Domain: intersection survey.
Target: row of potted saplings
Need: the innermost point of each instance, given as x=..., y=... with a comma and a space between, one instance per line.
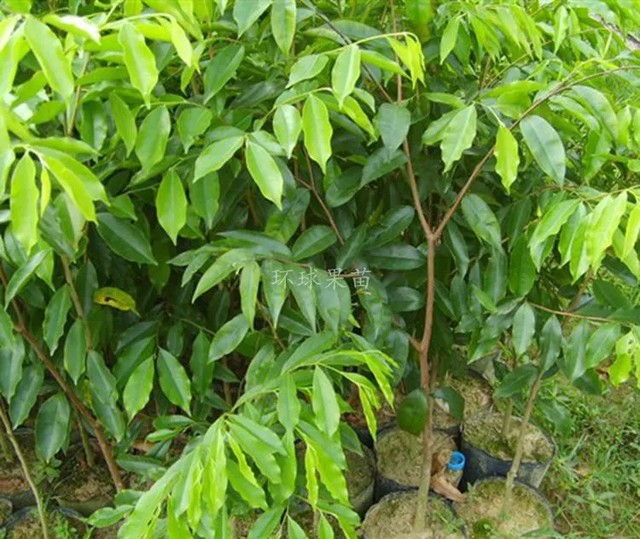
x=470, y=469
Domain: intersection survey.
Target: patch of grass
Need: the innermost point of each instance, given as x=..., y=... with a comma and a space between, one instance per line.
x=594, y=483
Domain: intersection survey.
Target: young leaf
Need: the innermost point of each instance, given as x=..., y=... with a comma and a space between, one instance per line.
x=307, y=67
x=124, y=120
x=24, y=203
x=152, y=138
x=48, y=50
x=139, y=60
x=192, y=123
x=317, y=131
x=138, y=389
x=287, y=126
x=221, y=69
x=524, y=327
x=346, y=72
x=546, y=146
x=265, y=172
x=393, y=122
x=449, y=38
x=458, y=135
x=550, y=224
x=604, y=223
x=283, y=23
x=249, y=283
x=632, y=230
x=171, y=205
x=214, y=156
x=174, y=380
x=247, y=12
x=324, y=402
x=507, y=157
x=75, y=350
x=52, y=426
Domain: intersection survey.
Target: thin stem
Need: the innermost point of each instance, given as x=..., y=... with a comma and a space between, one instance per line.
x=506, y=419
x=25, y=470
x=75, y=299
x=86, y=444
x=573, y=315
x=517, y=458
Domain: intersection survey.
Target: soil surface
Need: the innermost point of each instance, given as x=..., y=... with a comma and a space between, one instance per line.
x=60, y=527
x=488, y=515
x=485, y=432
x=476, y=393
x=6, y=509
x=12, y=481
x=392, y=518
x=360, y=472
x=400, y=454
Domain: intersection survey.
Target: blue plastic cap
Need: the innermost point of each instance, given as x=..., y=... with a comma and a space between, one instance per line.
x=457, y=461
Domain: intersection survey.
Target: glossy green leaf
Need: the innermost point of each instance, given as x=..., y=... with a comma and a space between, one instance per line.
x=314, y=240
x=324, y=402
x=524, y=328
x=11, y=360
x=482, y=220
x=632, y=231
x=573, y=361
x=550, y=224
x=247, y=12
x=396, y=256
x=601, y=344
x=393, y=122
x=125, y=121
x=125, y=239
x=228, y=337
x=458, y=135
x=222, y=68
x=449, y=38
x=52, y=426
x=518, y=381
x=24, y=203
x=139, y=60
x=453, y=401
x=26, y=394
x=507, y=157
x=205, y=197
x=546, y=146
x=274, y=287
x=317, y=131
x=48, y=50
x=413, y=412
x=283, y=23
x=307, y=67
x=22, y=276
x=222, y=267
x=288, y=406
x=171, y=205
x=604, y=223
x=80, y=26
x=550, y=343
x=152, y=138
x=174, y=380
x=265, y=173
x=287, y=126
x=345, y=72
x=75, y=350
x=192, y=123
x=214, y=156
x=138, y=389
x=249, y=284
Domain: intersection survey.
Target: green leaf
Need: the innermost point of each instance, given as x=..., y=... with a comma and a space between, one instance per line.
x=287, y=125
x=48, y=50
x=139, y=60
x=52, y=426
x=180, y=41
x=572, y=362
x=24, y=203
x=125, y=239
x=26, y=394
x=546, y=146
x=522, y=271
x=317, y=131
x=75, y=350
x=174, y=380
x=309, y=349
x=632, y=231
x=295, y=530
x=249, y=490
x=268, y=521
x=23, y=275
x=324, y=403
x=345, y=72
x=550, y=224
x=507, y=157
x=249, y=284
x=260, y=452
x=482, y=220
x=601, y=345
x=283, y=23
x=11, y=359
x=265, y=172
x=247, y=12
x=125, y=121
x=314, y=240
x=517, y=381
x=413, y=412
x=205, y=197
x=138, y=389
x=524, y=328
x=605, y=220
x=449, y=38
x=171, y=205
x=228, y=337
x=288, y=406
x=458, y=135
x=104, y=395
x=80, y=26
x=200, y=367
x=222, y=68
x=221, y=268
x=393, y=122
x=307, y=67
x=598, y=104
x=152, y=138
x=453, y=400
x=214, y=156
x=396, y=256
x=192, y=123
x=274, y=287
x=550, y=343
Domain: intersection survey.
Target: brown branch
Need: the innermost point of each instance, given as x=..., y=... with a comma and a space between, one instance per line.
x=573, y=314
